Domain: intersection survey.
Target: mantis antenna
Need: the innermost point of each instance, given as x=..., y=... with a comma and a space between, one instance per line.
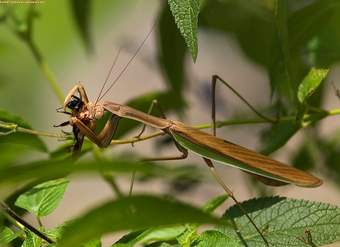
x=127, y=64
x=108, y=75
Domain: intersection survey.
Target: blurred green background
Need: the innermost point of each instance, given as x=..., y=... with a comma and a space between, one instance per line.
x=263, y=51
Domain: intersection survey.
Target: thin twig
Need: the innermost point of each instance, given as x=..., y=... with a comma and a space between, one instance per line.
x=98, y=155
x=12, y=214
x=12, y=127
x=114, y=186
x=219, y=124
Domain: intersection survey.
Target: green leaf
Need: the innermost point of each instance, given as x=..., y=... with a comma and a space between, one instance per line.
x=121, y=245
x=186, y=13
x=31, y=240
x=10, y=153
x=155, y=234
x=170, y=233
x=283, y=221
x=65, y=150
x=310, y=83
x=51, y=169
x=18, y=138
x=81, y=10
x=278, y=135
x=160, y=234
x=214, y=203
x=42, y=199
x=135, y=212
x=265, y=24
x=190, y=233
x=171, y=60
x=188, y=236
x=216, y=239
x=7, y=235
x=93, y=243
x=329, y=149
x=304, y=159
x=309, y=21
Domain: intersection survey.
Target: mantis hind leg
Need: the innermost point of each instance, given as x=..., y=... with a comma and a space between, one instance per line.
x=214, y=80
x=210, y=164
x=231, y=194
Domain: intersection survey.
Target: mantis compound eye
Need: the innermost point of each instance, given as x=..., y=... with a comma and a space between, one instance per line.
x=75, y=103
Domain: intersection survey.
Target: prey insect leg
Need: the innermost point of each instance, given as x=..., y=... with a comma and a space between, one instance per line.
x=62, y=124
x=79, y=139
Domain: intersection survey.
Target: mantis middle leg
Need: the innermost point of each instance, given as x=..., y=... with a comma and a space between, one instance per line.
x=215, y=79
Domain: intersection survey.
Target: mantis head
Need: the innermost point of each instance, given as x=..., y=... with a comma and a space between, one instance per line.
x=74, y=104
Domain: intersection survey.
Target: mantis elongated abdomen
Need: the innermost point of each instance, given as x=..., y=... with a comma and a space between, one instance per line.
x=240, y=157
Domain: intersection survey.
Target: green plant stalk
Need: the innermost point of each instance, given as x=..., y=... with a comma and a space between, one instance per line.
x=97, y=153
x=12, y=127
x=26, y=36
x=22, y=224
x=114, y=186
x=43, y=65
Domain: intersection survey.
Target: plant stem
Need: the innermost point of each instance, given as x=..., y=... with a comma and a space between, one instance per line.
x=333, y=112
x=46, y=70
x=40, y=223
x=12, y=127
x=9, y=212
x=112, y=182
x=220, y=124
x=26, y=36
x=97, y=153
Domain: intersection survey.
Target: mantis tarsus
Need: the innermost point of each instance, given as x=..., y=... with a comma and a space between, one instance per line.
x=84, y=114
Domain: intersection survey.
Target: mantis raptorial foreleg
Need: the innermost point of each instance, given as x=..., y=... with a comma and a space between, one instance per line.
x=103, y=139
x=82, y=93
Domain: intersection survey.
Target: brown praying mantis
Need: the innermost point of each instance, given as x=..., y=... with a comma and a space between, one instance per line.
x=84, y=114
